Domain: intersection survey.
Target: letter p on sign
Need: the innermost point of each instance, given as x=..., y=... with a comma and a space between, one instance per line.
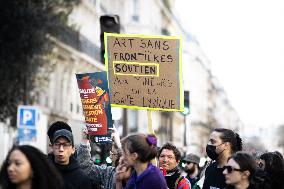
x=27, y=116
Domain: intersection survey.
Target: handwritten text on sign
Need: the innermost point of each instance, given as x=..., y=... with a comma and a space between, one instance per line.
x=144, y=72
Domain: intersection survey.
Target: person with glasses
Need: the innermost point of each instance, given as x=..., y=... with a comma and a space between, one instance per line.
x=239, y=171
x=221, y=145
x=62, y=145
x=191, y=162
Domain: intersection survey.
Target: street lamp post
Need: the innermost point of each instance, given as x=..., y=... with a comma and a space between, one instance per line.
x=185, y=113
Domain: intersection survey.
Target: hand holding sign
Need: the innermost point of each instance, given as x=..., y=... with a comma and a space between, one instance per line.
x=85, y=136
x=115, y=136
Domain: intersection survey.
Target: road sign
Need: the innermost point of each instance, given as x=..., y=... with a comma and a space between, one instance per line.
x=26, y=135
x=27, y=116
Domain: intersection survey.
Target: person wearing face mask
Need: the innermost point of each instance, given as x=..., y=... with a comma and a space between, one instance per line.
x=221, y=145
x=191, y=162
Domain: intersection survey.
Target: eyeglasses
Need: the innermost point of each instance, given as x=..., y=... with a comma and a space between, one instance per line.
x=231, y=169
x=65, y=145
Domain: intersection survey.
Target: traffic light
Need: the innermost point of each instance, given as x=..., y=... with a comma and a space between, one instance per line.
x=186, y=103
x=109, y=24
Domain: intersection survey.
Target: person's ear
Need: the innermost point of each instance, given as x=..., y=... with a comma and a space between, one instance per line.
x=227, y=145
x=50, y=148
x=246, y=174
x=135, y=155
x=73, y=150
x=32, y=174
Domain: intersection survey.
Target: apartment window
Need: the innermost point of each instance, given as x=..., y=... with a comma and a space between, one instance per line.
x=135, y=10
x=78, y=109
x=135, y=18
x=46, y=101
x=165, y=31
x=93, y=2
x=132, y=120
x=71, y=107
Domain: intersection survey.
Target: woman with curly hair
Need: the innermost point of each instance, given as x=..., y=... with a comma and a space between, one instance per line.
x=26, y=167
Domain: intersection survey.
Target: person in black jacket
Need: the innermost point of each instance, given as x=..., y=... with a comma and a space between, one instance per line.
x=221, y=145
x=62, y=145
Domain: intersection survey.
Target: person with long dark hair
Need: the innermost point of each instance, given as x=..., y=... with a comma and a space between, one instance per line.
x=26, y=167
x=273, y=166
x=239, y=170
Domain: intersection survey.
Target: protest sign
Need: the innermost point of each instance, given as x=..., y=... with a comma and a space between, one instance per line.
x=94, y=93
x=144, y=72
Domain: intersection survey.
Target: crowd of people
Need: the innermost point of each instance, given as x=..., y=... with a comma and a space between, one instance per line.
x=138, y=163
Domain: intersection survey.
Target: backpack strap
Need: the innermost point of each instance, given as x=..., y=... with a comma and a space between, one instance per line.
x=178, y=180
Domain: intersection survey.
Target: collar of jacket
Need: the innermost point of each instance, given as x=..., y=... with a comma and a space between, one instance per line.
x=172, y=176
x=73, y=164
x=173, y=172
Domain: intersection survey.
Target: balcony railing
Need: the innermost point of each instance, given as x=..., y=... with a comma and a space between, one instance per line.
x=79, y=42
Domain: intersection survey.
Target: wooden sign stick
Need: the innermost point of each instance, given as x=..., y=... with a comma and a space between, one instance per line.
x=150, y=126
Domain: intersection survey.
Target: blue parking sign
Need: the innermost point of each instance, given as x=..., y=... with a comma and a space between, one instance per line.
x=27, y=135
x=27, y=116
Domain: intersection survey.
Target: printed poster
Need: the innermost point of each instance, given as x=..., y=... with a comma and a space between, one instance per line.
x=94, y=93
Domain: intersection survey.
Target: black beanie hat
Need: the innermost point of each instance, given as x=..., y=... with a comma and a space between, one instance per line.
x=58, y=125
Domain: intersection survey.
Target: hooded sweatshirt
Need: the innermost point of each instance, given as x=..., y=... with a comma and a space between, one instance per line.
x=74, y=177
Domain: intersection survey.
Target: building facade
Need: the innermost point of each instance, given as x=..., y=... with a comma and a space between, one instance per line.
x=78, y=51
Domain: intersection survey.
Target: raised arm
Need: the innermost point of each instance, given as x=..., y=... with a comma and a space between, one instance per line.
x=95, y=172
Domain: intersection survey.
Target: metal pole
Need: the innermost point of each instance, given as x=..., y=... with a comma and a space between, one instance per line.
x=184, y=133
x=124, y=122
